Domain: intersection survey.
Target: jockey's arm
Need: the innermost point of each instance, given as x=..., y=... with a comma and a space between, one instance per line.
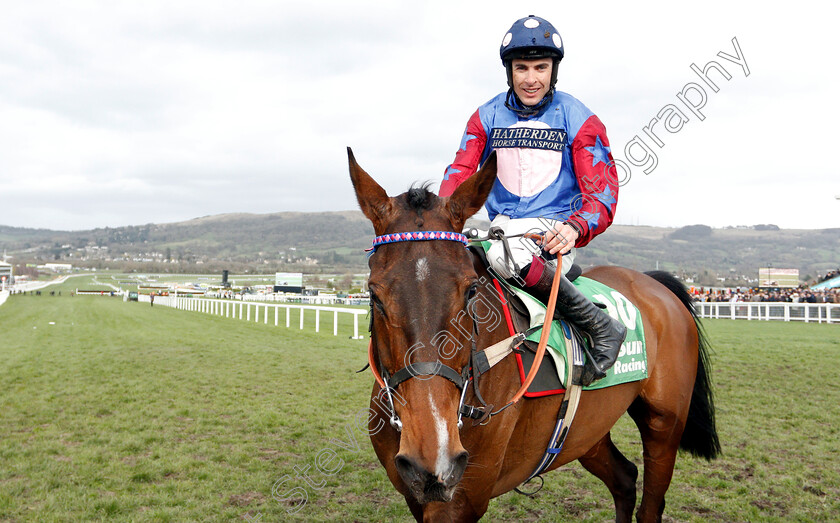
x=597, y=179
x=468, y=157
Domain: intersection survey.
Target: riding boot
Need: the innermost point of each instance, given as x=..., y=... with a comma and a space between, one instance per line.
x=605, y=333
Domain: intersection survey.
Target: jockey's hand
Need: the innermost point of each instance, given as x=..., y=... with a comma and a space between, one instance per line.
x=560, y=240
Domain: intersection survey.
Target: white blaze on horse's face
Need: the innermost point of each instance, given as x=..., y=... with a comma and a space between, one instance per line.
x=442, y=464
x=421, y=269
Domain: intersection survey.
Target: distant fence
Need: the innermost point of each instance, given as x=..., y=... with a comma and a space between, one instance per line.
x=259, y=312
x=766, y=311
x=262, y=312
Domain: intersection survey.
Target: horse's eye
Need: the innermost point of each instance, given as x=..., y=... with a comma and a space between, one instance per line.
x=376, y=303
x=471, y=291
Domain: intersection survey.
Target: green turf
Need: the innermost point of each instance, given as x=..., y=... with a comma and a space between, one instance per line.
x=125, y=412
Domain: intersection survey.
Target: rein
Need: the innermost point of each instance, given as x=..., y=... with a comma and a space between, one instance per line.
x=436, y=368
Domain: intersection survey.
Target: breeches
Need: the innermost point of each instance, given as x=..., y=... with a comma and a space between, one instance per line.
x=522, y=250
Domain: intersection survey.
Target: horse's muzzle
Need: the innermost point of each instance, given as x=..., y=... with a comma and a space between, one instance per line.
x=428, y=486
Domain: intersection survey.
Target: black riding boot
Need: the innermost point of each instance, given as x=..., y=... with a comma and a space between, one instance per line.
x=605, y=333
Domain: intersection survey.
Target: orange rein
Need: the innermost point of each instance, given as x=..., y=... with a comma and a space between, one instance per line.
x=372, y=364
x=549, y=316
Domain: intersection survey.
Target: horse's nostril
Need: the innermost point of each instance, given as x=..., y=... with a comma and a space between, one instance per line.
x=459, y=464
x=406, y=468
x=461, y=460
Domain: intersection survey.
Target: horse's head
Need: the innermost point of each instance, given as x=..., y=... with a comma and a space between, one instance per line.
x=420, y=291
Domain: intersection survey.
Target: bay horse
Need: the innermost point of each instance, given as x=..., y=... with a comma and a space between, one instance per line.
x=448, y=470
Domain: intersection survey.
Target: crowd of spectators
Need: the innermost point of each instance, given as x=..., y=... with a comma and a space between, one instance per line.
x=831, y=274
x=800, y=294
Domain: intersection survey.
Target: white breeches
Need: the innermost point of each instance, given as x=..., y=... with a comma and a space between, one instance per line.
x=522, y=250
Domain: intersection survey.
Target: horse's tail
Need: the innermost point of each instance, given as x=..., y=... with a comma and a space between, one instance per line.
x=700, y=435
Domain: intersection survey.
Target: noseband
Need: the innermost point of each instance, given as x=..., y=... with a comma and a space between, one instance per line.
x=423, y=368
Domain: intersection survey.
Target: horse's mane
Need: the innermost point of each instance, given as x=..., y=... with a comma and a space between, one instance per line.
x=420, y=198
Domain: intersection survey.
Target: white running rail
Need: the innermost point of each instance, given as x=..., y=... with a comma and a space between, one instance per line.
x=258, y=312
x=766, y=311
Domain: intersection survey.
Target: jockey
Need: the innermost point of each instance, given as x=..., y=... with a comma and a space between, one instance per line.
x=556, y=177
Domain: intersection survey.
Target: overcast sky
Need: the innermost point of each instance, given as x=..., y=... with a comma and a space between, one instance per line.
x=126, y=113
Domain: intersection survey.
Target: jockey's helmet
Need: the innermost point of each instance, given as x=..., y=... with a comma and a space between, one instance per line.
x=531, y=38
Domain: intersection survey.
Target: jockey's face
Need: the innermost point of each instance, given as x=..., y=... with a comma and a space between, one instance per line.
x=531, y=79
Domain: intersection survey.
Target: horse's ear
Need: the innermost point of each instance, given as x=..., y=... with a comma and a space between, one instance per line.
x=471, y=195
x=373, y=199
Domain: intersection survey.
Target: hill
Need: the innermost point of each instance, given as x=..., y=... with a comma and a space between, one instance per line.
x=335, y=242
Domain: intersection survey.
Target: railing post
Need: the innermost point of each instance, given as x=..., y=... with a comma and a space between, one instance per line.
x=787, y=311
x=288, y=316
x=355, y=326
x=317, y=319
x=266, y=314
x=301, y=318
x=276, y=314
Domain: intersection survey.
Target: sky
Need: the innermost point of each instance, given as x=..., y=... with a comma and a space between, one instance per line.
x=127, y=113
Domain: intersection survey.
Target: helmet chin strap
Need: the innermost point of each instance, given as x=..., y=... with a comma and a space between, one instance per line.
x=513, y=103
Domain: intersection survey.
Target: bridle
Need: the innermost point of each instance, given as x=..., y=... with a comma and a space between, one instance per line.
x=424, y=368
x=435, y=368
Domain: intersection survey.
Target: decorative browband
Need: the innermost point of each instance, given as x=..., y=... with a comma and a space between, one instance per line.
x=418, y=236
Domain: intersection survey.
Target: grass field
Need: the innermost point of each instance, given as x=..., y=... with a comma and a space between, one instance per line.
x=120, y=411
